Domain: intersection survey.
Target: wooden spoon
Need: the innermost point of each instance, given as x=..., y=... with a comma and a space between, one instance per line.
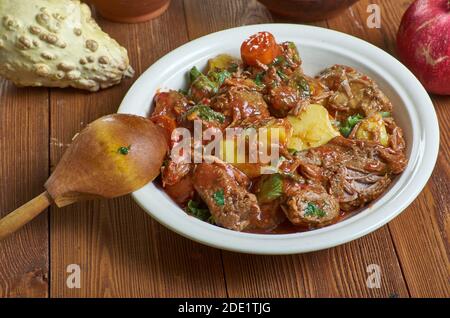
x=113, y=156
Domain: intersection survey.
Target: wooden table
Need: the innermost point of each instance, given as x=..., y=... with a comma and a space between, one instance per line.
x=122, y=252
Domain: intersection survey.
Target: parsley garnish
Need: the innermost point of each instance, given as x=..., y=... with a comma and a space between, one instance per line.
x=194, y=73
x=201, y=81
x=271, y=188
x=281, y=75
x=212, y=82
x=219, y=197
x=258, y=79
x=183, y=91
x=349, y=123
x=124, y=150
x=385, y=114
x=278, y=60
x=206, y=113
x=295, y=55
x=303, y=85
x=219, y=77
x=193, y=208
x=233, y=67
x=314, y=210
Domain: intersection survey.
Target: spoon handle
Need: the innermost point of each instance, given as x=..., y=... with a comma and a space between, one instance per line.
x=21, y=216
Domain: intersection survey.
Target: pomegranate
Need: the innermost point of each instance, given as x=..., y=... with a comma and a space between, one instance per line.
x=423, y=43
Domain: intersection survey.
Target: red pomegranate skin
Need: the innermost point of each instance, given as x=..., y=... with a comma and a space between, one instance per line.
x=423, y=43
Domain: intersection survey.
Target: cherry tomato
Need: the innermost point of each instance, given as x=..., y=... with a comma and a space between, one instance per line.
x=260, y=47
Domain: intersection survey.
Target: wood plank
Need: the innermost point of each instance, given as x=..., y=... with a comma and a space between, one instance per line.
x=207, y=16
x=122, y=252
x=337, y=272
x=23, y=170
x=421, y=232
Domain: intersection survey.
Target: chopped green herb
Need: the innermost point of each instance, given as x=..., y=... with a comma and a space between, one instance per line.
x=304, y=87
x=279, y=60
x=385, y=114
x=193, y=208
x=211, y=220
x=206, y=113
x=271, y=188
x=203, y=82
x=124, y=150
x=219, y=197
x=353, y=120
x=281, y=75
x=259, y=78
x=183, y=91
x=349, y=123
x=219, y=77
x=295, y=56
x=233, y=67
x=293, y=151
x=314, y=210
x=212, y=82
x=345, y=131
x=194, y=73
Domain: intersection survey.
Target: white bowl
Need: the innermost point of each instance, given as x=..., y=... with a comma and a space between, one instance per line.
x=319, y=48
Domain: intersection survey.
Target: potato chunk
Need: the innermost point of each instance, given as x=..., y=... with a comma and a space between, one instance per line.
x=223, y=62
x=266, y=129
x=311, y=128
x=373, y=129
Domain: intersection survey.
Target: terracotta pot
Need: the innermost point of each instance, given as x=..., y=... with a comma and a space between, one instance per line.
x=130, y=11
x=307, y=10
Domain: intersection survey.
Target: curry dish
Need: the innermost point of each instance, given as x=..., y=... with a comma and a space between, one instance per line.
x=339, y=145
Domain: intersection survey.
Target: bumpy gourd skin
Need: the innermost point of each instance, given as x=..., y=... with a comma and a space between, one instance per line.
x=57, y=43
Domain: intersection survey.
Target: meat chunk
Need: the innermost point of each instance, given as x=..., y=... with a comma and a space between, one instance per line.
x=224, y=190
x=353, y=188
x=171, y=103
x=283, y=99
x=291, y=57
x=311, y=206
x=176, y=180
x=355, y=172
x=172, y=172
x=239, y=103
x=353, y=93
x=182, y=191
x=271, y=216
x=396, y=139
x=168, y=107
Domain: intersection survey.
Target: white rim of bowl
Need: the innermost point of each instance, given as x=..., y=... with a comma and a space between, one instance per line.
x=423, y=157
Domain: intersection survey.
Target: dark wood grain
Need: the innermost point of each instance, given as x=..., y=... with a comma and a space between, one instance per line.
x=23, y=171
x=121, y=251
x=337, y=272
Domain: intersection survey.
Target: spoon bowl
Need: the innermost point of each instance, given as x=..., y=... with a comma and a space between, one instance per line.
x=113, y=156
